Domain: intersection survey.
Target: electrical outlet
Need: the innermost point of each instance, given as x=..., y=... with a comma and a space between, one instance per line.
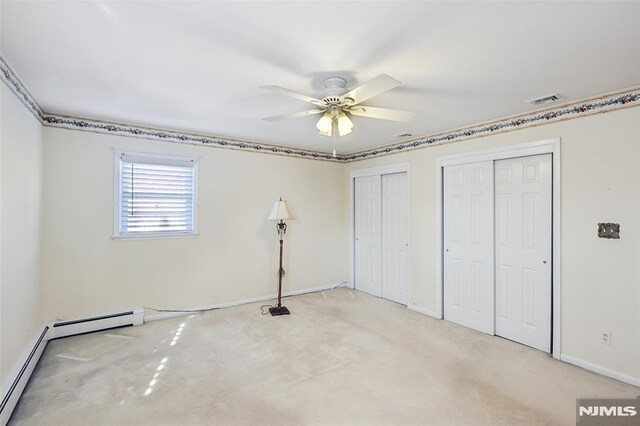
x=605, y=337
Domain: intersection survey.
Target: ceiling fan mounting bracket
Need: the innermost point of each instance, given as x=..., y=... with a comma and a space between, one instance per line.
x=335, y=83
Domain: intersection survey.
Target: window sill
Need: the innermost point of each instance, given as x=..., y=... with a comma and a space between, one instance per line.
x=153, y=237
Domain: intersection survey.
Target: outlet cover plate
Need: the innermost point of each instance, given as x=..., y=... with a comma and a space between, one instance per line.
x=605, y=338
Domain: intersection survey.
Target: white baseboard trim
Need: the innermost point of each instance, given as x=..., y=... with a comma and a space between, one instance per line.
x=165, y=315
x=601, y=370
x=424, y=311
x=16, y=382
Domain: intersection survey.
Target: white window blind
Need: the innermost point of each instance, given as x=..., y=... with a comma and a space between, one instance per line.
x=157, y=195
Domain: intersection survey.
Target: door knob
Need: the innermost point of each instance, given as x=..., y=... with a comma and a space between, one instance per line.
x=544, y=261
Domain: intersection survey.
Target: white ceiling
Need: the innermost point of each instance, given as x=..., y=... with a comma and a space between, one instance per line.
x=197, y=66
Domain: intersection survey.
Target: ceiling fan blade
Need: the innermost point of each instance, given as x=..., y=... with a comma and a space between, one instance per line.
x=282, y=91
x=293, y=115
x=382, y=113
x=371, y=88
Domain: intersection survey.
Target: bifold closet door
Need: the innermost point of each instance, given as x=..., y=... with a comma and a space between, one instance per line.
x=468, y=245
x=395, y=237
x=523, y=250
x=368, y=234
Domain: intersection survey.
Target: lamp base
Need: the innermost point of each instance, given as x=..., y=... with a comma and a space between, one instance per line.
x=279, y=310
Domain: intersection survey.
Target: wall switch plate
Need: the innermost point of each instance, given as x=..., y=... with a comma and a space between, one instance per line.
x=605, y=338
x=609, y=230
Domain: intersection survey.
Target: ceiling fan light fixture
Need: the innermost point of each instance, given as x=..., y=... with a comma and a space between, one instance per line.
x=345, y=125
x=336, y=106
x=325, y=125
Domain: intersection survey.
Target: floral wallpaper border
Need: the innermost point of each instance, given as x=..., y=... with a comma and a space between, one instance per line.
x=15, y=85
x=563, y=112
x=577, y=109
x=180, y=137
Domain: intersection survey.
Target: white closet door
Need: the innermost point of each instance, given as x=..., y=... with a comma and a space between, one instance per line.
x=468, y=245
x=368, y=221
x=523, y=250
x=395, y=238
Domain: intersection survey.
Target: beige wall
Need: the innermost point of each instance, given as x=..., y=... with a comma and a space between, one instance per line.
x=20, y=208
x=235, y=257
x=600, y=163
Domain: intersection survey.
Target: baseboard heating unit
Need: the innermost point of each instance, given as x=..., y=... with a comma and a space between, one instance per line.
x=14, y=389
x=103, y=322
x=16, y=383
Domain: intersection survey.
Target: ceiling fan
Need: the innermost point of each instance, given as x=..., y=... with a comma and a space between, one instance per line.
x=336, y=108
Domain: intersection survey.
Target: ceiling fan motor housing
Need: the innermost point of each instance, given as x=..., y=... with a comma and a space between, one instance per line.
x=332, y=100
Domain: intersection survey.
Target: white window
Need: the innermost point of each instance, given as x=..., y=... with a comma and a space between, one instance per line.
x=156, y=195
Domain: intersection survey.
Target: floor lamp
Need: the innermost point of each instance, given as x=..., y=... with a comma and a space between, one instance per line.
x=280, y=212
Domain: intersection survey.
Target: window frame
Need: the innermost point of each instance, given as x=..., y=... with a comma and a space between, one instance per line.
x=117, y=199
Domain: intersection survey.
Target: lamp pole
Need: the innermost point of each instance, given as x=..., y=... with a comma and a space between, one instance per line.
x=279, y=309
x=282, y=228
x=280, y=213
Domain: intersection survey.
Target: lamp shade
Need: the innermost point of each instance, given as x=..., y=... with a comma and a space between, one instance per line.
x=325, y=125
x=345, y=125
x=280, y=211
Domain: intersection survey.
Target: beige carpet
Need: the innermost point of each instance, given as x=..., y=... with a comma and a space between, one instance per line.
x=342, y=357
x=91, y=346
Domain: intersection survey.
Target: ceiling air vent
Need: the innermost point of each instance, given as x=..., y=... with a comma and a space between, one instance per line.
x=548, y=99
